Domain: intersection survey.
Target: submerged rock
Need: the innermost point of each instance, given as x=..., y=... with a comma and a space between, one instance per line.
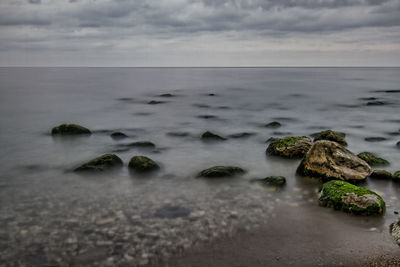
x=221, y=171
x=376, y=103
x=346, y=197
x=142, y=144
x=276, y=181
x=178, y=134
x=329, y=160
x=143, y=164
x=375, y=139
x=396, y=176
x=118, y=135
x=398, y=144
x=395, y=232
x=330, y=136
x=242, y=135
x=102, y=163
x=372, y=159
x=290, y=147
x=381, y=174
x=212, y=136
x=155, y=102
x=273, y=124
x=167, y=95
x=70, y=129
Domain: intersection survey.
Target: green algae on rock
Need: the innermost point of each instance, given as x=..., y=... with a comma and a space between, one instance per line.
x=396, y=176
x=277, y=181
x=143, y=164
x=212, y=136
x=331, y=161
x=221, y=171
x=372, y=159
x=290, y=147
x=118, y=135
x=381, y=174
x=142, y=144
x=331, y=136
x=346, y=197
x=102, y=163
x=70, y=129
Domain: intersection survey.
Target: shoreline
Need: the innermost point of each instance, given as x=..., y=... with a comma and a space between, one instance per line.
x=285, y=244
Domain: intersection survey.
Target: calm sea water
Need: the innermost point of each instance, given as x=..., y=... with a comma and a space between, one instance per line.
x=38, y=193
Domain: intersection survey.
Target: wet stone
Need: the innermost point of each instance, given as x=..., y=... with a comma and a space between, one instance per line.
x=375, y=139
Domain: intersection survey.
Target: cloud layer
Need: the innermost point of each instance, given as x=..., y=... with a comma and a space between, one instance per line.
x=154, y=32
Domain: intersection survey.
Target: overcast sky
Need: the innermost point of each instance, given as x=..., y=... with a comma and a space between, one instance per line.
x=199, y=32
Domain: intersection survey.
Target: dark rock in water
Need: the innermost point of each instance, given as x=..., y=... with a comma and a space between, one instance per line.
x=376, y=103
x=330, y=136
x=102, y=163
x=388, y=91
x=393, y=133
x=143, y=164
x=380, y=174
x=331, y=161
x=396, y=176
x=398, y=144
x=155, y=102
x=70, y=129
x=395, y=232
x=171, y=212
x=207, y=117
x=128, y=99
x=349, y=198
x=375, y=139
x=372, y=159
x=221, y=171
x=118, y=135
x=368, y=98
x=212, y=136
x=142, y=144
x=167, y=95
x=276, y=181
x=241, y=135
x=178, y=134
x=201, y=105
x=273, y=124
x=211, y=94
x=290, y=147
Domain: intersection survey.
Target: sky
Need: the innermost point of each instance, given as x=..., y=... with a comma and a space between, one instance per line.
x=230, y=33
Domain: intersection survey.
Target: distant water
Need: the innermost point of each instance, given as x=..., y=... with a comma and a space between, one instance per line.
x=51, y=215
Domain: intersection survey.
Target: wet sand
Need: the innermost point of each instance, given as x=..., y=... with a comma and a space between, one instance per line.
x=283, y=242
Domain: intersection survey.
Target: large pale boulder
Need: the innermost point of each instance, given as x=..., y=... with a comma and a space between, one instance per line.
x=331, y=161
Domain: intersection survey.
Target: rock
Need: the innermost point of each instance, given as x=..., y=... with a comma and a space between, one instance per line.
x=277, y=181
x=207, y=117
x=142, y=144
x=329, y=160
x=273, y=124
x=290, y=147
x=396, y=176
x=381, y=174
x=155, y=102
x=398, y=144
x=395, y=232
x=375, y=139
x=372, y=159
x=102, y=163
x=118, y=135
x=143, y=164
x=350, y=198
x=70, y=129
x=241, y=135
x=212, y=136
x=178, y=134
x=376, y=103
x=167, y=95
x=330, y=136
x=221, y=171
x=171, y=212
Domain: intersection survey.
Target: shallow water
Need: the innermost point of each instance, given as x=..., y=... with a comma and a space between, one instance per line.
x=51, y=215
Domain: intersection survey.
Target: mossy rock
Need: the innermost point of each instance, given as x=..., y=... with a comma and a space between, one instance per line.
x=273, y=124
x=118, y=135
x=396, y=176
x=221, y=171
x=372, y=159
x=143, y=164
x=290, y=147
x=102, y=163
x=330, y=136
x=375, y=139
x=70, y=129
x=395, y=232
x=276, y=181
x=212, y=136
x=155, y=102
x=381, y=175
x=142, y=144
x=346, y=197
x=167, y=95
